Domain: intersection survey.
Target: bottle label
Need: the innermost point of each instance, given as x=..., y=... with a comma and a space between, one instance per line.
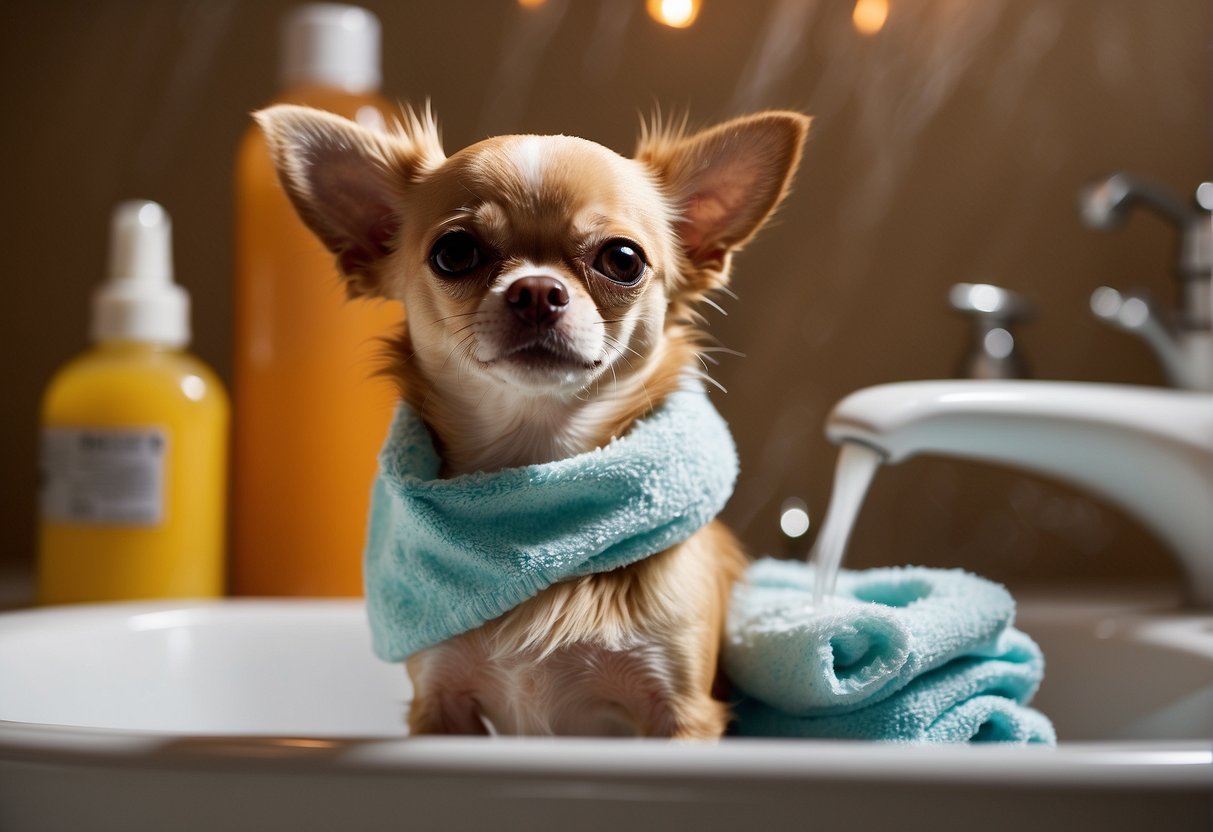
x=102, y=476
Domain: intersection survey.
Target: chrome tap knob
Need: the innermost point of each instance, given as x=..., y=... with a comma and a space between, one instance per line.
x=993, y=352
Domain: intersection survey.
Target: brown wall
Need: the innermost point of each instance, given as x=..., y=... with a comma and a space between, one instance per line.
x=949, y=147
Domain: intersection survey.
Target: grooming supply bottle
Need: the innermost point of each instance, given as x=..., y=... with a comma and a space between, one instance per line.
x=134, y=440
x=309, y=412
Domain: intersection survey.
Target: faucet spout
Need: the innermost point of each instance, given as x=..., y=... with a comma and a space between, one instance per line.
x=1147, y=450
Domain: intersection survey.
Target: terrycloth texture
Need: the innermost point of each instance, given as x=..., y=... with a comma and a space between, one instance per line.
x=882, y=628
x=444, y=556
x=903, y=654
x=971, y=699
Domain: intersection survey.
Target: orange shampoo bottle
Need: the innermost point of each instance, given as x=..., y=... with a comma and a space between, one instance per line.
x=309, y=414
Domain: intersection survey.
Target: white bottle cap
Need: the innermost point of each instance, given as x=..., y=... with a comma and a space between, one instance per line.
x=331, y=45
x=139, y=301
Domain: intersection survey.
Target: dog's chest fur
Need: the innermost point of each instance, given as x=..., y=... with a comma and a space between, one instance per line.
x=614, y=653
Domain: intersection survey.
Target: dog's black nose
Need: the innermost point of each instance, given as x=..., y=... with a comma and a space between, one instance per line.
x=537, y=300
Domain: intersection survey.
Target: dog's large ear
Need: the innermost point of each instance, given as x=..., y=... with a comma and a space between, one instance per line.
x=347, y=182
x=724, y=183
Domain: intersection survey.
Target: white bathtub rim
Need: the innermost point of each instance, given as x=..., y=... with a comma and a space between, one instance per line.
x=1174, y=765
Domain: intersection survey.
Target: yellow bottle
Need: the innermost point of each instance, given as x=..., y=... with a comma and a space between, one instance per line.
x=309, y=414
x=134, y=441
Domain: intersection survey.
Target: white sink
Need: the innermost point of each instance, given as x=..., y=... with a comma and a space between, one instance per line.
x=274, y=715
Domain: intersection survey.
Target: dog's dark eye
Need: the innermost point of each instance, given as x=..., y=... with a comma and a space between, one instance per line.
x=621, y=261
x=455, y=254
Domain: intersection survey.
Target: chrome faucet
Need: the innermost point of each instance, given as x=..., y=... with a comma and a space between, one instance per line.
x=1148, y=450
x=993, y=351
x=1183, y=341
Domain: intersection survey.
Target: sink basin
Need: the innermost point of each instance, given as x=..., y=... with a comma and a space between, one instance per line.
x=274, y=715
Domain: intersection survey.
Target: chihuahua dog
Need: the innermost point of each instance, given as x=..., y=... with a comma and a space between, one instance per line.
x=550, y=288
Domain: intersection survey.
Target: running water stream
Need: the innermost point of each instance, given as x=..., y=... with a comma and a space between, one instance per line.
x=857, y=465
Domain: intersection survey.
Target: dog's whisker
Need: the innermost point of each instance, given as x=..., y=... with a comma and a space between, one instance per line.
x=459, y=346
x=620, y=346
x=705, y=377
x=624, y=357
x=450, y=354
x=724, y=350
x=471, y=314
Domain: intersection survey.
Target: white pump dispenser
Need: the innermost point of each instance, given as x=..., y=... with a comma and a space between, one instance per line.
x=140, y=301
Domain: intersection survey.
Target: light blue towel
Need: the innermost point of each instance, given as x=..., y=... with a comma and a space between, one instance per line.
x=902, y=654
x=972, y=699
x=444, y=556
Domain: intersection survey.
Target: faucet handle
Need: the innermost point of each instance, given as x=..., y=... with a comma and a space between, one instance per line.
x=1107, y=203
x=988, y=300
x=992, y=351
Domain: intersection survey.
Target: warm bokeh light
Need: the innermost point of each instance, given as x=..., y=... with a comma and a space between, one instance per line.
x=531, y=4
x=678, y=14
x=870, y=15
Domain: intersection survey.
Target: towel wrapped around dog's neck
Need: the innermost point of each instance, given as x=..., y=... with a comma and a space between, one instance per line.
x=444, y=556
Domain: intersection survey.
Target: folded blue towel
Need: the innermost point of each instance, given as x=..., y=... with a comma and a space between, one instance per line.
x=972, y=699
x=906, y=654
x=444, y=556
x=882, y=628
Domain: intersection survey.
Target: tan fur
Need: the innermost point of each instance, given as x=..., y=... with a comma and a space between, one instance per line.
x=534, y=669
x=634, y=650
